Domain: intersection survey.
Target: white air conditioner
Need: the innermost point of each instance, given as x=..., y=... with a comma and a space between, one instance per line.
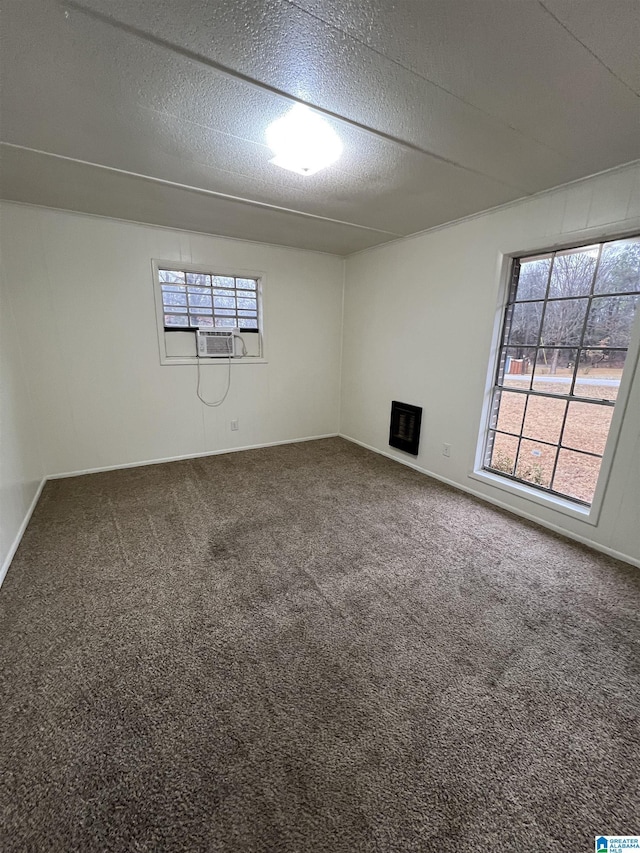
x=215, y=343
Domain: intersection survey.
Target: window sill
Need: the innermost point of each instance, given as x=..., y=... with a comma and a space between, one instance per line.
x=192, y=359
x=588, y=515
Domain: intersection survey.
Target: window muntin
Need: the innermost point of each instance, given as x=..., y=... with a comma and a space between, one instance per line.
x=193, y=299
x=566, y=332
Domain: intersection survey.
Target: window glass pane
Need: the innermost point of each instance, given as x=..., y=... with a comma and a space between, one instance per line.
x=224, y=302
x=587, y=427
x=544, y=418
x=516, y=367
x=599, y=374
x=610, y=321
x=576, y=475
x=525, y=320
x=174, y=298
x=619, y=270
x=176, y=320
x=566, y=332
x=533, y=278
x=509, y=411
x=563, y=322
x=553, y=372
x=503, y=454
x=572, y=272
x=535, y=462
x=247, y=303
x=171, y=276
x=199, y=300
x=192, y=299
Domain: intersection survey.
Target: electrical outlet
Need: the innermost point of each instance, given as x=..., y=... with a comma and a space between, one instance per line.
x=446, y=450
x=235, y=424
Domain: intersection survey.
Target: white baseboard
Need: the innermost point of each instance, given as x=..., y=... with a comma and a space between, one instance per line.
x=21, y=530
x=187, y=456
x=556, y=529
x=14, y=547
x=625, y=558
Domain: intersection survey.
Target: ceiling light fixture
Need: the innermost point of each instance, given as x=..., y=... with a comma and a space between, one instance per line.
x=303, y=142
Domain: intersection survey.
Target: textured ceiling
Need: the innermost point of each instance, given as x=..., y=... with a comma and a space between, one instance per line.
x=156, y=110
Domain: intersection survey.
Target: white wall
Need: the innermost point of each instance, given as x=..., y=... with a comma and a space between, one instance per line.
x=81, y=289
x=80, y=354
x=439, y=292
x=21, y=468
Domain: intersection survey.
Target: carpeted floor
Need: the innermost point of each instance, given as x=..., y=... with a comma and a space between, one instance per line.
x=310, y=648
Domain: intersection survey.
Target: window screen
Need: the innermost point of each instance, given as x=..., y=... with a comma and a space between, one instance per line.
x=192, y=299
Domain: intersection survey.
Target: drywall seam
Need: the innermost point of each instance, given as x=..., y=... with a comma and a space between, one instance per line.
x=200, y=190
x=504, y=206
x=70, y=212
x=234, y=73
x=610, y=552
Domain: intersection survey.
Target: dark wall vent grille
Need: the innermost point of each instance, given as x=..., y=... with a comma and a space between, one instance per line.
x=405, y=427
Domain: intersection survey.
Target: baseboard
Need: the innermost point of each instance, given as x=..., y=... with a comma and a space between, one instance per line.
x=21, y=530
x=16, y=542
x=187, y=456
x=596, y=546
x=610, y=552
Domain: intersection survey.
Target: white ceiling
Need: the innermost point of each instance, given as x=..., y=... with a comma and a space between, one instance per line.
x=156, y=110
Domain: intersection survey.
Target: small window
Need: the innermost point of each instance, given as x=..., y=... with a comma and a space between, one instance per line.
x=199, y=299
x=564, y=344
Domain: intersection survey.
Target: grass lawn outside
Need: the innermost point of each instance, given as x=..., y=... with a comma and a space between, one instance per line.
x=586, y=429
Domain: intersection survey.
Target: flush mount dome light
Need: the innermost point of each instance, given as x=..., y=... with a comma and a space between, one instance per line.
x=303, y=142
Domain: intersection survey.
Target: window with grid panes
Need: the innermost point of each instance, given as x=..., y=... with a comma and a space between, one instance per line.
x=565, y=337
x=200, y=299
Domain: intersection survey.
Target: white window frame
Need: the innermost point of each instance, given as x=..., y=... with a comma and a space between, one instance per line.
x=588, y=514
x=208, y=269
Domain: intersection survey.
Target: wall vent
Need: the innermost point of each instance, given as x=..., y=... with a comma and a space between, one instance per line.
x=405, y=427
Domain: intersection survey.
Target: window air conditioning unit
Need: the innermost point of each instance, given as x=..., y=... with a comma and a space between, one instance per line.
x=215, y=343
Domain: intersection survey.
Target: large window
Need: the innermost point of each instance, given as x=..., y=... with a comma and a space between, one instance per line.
x=192, y=299
x=564, y=344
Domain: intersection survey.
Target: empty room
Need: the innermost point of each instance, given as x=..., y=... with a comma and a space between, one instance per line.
x=320, y=426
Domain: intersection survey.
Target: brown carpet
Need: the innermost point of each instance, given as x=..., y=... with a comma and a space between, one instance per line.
x=310, y=648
